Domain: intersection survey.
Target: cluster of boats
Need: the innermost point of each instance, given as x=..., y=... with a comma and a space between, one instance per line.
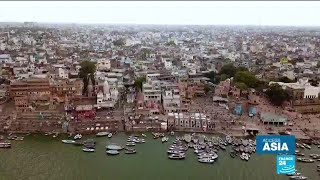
x=207, y=148
x=5, y=144
x=160, y=135
x=132, y=140
x=89, y=145
x=101, y=134
x=297, y=176
x=303, y=146
x=12, y=137
x=312, y=159
x=113, y=149
x=53, y=134
x=177, y=150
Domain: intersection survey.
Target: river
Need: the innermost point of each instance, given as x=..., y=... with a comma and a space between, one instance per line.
x=44, y=158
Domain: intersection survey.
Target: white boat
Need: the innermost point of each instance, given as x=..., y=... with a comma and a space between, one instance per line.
x=164, y=139
x=21, y=138
x=100, y=134
x=68, y=141
x=55, y=135
x=143, y=135
x=306, y=145
x=112, y=152
x=77, y=137
x=109, y=135
x=245, y=156
x=229, y=139
x=298, y=177
x=88, y=150
x=294, y=174
x=130, y=144
x=206, y=160
x=177, y=156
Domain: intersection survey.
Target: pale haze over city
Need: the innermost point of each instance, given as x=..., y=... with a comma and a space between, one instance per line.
x=201, y=13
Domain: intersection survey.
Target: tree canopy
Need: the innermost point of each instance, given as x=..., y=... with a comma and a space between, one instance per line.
x=139, y=81
x=285, y=79
x=171, y=43
x=87, y=68
x=242, y=86
x=119, y=42
x=212, y=76
x=247, y=78
x=229, y=70
x=277, y=95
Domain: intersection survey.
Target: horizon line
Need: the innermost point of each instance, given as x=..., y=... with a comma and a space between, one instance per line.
x=121, y=23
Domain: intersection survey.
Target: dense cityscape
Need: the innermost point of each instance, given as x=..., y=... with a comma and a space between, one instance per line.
x=77, y=80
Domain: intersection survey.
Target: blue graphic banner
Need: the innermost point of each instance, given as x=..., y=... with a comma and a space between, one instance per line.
x=286, y=164
x=275, y=144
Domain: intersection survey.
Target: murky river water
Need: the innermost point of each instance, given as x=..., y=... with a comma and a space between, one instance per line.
x=43, y=158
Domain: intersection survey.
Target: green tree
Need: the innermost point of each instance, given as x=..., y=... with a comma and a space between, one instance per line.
x=247, y=78
x=87, y=70
x=224, y=77
x=285, y=79
x=242, y=86
x=213, y=77
x=119, y=42
x=139, y=81
x=242, y=69
x=228, y=69
x=171, y=43
x=207, y=88
x=277, y=95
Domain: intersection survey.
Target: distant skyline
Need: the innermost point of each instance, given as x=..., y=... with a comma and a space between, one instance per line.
x=276, y=13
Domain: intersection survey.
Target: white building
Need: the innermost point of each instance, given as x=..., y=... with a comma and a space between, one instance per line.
x=168, y=64
x=171, y=100
x=310, y=91
x=5, y=58
x=63, y=73
x=103, y=64
x=108, y=97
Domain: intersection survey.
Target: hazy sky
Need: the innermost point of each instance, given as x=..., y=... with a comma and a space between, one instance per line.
x=214, y=13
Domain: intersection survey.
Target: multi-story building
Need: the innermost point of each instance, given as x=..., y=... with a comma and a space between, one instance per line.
x=62, y=88
x=187, y=121
x=28, y=93
x=152, y=94
x=171, y=101
x=304, y=97
x=29, y=87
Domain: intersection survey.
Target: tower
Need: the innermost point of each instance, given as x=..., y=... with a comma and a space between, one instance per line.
x=90, y=87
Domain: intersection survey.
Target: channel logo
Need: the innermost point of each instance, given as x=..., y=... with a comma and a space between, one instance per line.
x=286, y=164
x=278, y=144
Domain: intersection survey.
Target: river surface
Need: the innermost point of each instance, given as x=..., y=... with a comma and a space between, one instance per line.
x=44, y=158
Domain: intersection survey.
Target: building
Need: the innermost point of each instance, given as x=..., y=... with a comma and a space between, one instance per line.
x=304, y=97
x=62, y=88
x=108, y=97
x=171, y=101
x=269, y=118
x=31, y=93
x=151, y=90
x=187, y=121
